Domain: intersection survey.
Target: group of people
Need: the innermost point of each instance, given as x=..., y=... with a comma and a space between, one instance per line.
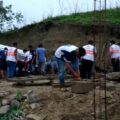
x=77, y=61
x=17, y=62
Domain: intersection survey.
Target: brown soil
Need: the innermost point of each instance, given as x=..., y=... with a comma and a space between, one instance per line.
x=62, y=104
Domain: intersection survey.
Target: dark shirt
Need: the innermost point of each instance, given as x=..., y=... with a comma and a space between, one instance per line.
x=69, y=56
x=2, y=55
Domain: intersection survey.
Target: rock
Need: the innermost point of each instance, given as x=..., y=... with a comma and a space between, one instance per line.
x=109, y=87
x=4, y=109
x=3, y=93
x=34, y=105
x=32, y=98
x=113, y=76
x=5, y=102
x=35, y=117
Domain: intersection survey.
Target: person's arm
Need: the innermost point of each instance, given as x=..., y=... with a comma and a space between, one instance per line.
x=34, y=57
x=16, y=57
x=76, y=74
x=66, y=56
x=37, y=57
x=95, y=52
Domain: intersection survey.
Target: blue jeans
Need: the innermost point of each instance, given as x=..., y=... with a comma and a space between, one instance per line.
x=42, y=68
x=11, y=66
x=61, y=68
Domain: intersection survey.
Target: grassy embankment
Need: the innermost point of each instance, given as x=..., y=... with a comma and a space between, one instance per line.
x=112, y=16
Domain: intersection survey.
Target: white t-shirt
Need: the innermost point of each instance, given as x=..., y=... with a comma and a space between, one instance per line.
x=68, y=48
x=90, y=50
x=114, y=51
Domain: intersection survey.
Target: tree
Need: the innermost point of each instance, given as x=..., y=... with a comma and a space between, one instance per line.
x=8, y=18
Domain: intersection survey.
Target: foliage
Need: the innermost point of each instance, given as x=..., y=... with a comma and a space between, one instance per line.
x=11, y=114
x=111, y=15
x=19, y=96
x=14, y=110
x=8, y=17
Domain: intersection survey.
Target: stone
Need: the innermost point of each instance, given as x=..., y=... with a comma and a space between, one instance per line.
x=4, y=109
x=35, y=117
x=34, y=105
x=113, y=76
x=82, y=86
x=109, y=87
x=5, y=102
x=3, y=93
x=32, y=98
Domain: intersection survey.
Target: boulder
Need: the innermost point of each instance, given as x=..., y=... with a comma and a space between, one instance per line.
x=32, y=97
x=4, y=109
x=113, y=76
x=5, y=102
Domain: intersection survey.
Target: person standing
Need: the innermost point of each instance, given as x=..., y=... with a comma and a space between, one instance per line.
x=114, y=51
x=68, y=56
x=54, y=64
x=11, y=60
x=41, y=58
x=32, y=62
x=3, y=63
x=88, y=60
x=22, y=57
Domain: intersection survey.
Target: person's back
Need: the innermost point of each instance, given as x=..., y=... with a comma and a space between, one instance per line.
x=41, y=52
x=2, y=55
x=11, y=54
x=12, y=60
x=88, y=60
x=65, y=50
x=90, y=50
x=68, y=57
x=114, y=51
x=54, y=64
x=41, y=58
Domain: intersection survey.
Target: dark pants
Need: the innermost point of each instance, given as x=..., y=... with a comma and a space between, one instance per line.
x=86, y=69
x=115, y=64
x=20, y=68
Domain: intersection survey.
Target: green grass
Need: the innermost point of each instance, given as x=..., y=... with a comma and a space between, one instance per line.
x=112, y=16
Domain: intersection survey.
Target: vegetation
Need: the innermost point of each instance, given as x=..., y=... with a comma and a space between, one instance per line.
x=112, y=16
x=15, y=111
x=12, y=113
x=8, y=18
